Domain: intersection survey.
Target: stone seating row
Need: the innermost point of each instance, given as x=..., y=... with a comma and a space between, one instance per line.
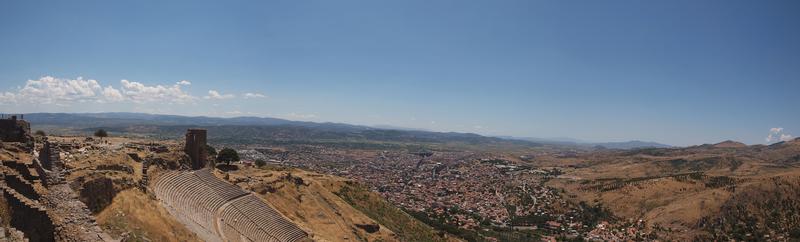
x=200, y=196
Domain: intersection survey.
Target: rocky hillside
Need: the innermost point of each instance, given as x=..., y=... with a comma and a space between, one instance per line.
x=106, y=173
x=333, y=208
x=718, y=191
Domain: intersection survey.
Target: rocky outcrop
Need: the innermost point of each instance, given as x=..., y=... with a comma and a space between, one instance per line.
x=11, y=234
x=369, y=228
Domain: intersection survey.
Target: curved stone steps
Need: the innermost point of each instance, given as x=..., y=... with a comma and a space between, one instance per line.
x=223, y=209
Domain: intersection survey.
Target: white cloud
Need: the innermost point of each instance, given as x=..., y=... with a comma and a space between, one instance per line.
x=184, y=83
x=112, y=94
x=777, y=134
x=61, y=92
x=7, y=98
x=140, y=93
x=49, y=90
x=214, y=94
x=254, y=95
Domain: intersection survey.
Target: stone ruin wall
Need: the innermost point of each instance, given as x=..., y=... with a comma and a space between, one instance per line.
x=28, y=216
x=195, y=147
x=23, y=169
x=16, y=130
x=20, y=196
x=48, y=155
x=49, y=164
x=27, y=193
x=21, y=185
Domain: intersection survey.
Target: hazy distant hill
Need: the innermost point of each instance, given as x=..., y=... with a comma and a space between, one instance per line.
x=249, y=129
x=80, y=120
x=635, y=144
x=257, y=129
x=625, y=145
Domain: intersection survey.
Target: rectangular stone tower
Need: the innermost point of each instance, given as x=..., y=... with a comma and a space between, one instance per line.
x=196, y=147
x=13, y=129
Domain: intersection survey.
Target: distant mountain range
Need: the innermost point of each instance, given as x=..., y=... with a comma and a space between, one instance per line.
x=625, y=145
x=252, y=129
x=85, y=120
x=260, y=129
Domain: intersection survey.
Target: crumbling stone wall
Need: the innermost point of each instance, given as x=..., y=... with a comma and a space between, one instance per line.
x=22, y=186
x=16, y=130
x=23, y=169
x=49, y=156
x=196, y=147
x=28, y=217
x=49, y=164
x=43, y=175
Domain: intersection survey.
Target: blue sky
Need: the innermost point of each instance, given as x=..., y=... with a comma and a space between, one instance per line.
x=677, y=72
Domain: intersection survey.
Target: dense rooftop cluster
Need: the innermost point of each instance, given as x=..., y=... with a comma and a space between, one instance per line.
x=462, y=192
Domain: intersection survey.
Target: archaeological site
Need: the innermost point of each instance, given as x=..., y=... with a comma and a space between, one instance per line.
x=107, y=189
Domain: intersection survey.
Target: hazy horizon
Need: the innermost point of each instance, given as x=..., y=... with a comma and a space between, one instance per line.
x=679, y=73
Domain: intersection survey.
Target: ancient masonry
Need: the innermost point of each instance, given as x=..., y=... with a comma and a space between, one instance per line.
x=40, y=205
x=145, y=178
x=19, y=188
x=219, y=211
x=196, y=147
x=13, y=129
x=49, y=164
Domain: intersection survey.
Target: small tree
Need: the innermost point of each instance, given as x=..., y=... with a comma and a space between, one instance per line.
x=40, y=133
x=101, y=133
x=228, y=155
x=260, y=162
x=212, y=154
x=211, y=151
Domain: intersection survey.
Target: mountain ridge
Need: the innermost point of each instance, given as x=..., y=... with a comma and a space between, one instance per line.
x=126, y=121
x=623, y=145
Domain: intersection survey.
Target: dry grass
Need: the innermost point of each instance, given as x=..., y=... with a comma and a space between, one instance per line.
x=313, y=206
x=679, y=204
x=132, y=214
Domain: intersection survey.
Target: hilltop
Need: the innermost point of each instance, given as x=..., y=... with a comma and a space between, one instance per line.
x=722, y=191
